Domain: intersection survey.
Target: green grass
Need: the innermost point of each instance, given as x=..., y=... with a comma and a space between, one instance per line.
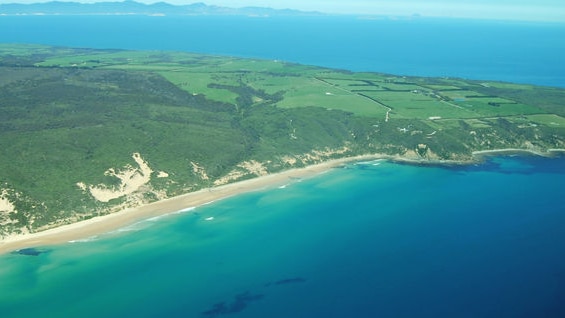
x=400, y=86
x=313, y=92
x=417, y=106
x=348, y=83
x=442, y=88
x=274, y=84
x=482, y=108
x=197, y=83
x=478, y=123
x=506, y=85
x=455, y=95
x=550, y=120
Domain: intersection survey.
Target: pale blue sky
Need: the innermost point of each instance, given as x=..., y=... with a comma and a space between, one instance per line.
x=538, y=10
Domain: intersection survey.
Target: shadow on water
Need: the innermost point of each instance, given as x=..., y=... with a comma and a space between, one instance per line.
x=238, y=304
x=30, y=251
x=523, y=163
x=241, y=301
x=286, y=281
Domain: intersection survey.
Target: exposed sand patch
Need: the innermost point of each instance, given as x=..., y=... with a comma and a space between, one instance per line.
x=82, y=186
x=162, y=174
x=199, y=171
x=232, y=175
x=5, y=205
x=243, y=169
x=254, y=167
x=320, y=155
x=314, y=156
x=289, y=160
x=131, y=180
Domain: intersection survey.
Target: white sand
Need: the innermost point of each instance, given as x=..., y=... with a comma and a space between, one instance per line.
x=131, y=179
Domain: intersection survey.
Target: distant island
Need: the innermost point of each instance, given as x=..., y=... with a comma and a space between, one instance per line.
x=136, y=8
x=86, y=133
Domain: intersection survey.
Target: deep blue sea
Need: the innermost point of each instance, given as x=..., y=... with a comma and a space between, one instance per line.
x=371, y=239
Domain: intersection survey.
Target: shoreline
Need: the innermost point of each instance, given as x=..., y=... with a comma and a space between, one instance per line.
x=494, y=152
x=111, y=222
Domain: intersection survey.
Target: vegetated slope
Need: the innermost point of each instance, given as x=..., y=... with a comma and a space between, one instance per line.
x=86, y=132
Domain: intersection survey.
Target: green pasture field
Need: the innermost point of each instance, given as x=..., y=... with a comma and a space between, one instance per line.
x=399, y=86
x=506, y=85
x=455, y=94
x=441, y=88
x=443, y=124
x=482, y=108
x=356, y=85
x=23, y=49
x=550, y=120
x=197, y=83
x=478, y=123
x=315, y=93
x=100, y=59
x=417, y=106
x=194, y=73
x=255, y=66
x=351, y=84
x=274, y=84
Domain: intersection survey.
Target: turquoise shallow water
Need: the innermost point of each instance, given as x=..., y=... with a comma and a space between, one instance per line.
x=376, y=239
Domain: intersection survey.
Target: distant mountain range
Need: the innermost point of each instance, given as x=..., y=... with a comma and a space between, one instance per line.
x=135, y=8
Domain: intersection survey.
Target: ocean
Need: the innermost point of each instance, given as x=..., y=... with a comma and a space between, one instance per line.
x=370, y=239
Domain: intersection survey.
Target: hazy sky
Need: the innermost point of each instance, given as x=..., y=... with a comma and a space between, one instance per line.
x=553, y=10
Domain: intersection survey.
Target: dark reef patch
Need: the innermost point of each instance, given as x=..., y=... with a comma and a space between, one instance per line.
x=293, y=280
x=238, y=304
x=29, y=251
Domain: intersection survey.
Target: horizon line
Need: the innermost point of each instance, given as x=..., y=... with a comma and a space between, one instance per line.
x=375, y=15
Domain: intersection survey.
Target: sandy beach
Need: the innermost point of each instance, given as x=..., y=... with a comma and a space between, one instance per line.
x=110, y=222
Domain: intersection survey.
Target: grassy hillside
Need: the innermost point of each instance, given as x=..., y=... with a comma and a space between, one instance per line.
x=81, y=125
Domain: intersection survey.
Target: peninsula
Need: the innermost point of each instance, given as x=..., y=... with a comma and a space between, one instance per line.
x=95, y=139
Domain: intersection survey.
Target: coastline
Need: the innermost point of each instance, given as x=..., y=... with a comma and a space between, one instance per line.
x=114, y=221
x=497, y=152
x=108, y=223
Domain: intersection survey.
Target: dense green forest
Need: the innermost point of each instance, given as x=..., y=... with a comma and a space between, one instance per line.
x=86, y=132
